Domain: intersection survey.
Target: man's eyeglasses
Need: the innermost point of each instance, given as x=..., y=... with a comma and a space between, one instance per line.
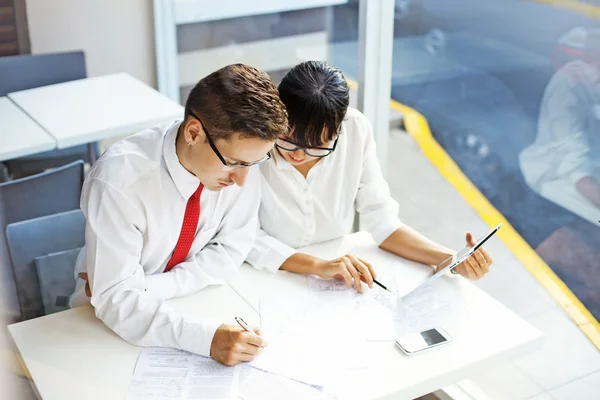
x=287, y=145
x=227, y=166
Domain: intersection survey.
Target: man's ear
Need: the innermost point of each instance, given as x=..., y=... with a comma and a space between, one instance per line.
x=193, y=132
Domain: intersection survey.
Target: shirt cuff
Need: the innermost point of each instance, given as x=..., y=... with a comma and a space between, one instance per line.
x=197, y=336
x=269, y=254
x=162, y=285
x=277, y=257
x=385, y=229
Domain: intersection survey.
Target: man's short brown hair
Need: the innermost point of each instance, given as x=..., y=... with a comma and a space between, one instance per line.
x=238, y=98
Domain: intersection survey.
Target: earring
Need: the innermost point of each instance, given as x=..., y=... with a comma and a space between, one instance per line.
x=190, y=143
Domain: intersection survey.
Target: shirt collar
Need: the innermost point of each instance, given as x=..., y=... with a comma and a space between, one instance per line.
x=185, y=182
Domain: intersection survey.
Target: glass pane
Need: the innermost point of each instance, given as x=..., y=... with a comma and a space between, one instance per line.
x=273, y=42
x=511, y=91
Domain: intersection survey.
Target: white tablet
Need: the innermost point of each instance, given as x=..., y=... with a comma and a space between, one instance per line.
x=460, y=257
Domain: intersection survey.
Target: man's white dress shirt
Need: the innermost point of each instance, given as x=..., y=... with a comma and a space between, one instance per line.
x=297, y=211
x=134, y=200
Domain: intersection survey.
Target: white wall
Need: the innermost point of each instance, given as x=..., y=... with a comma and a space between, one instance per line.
x=116, y=35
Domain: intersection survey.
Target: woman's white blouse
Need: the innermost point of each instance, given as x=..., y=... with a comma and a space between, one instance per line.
x=297, y=211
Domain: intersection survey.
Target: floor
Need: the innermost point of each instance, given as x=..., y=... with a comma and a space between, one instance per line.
x=567, y=367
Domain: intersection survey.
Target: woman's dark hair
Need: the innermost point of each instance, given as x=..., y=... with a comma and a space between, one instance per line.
x=316, y=97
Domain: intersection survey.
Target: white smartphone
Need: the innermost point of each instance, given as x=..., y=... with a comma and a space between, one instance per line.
x=418, y=342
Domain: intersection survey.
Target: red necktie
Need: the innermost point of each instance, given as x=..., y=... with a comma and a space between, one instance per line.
x=188, y=230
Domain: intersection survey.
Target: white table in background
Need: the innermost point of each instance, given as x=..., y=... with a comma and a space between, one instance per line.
x=72, y=355
x=485, y=333
x=94, y=109
x=19, y=134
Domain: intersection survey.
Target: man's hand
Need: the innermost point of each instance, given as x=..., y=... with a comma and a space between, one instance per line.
x=348, y=267
x=478, y=264
x=84, y=276
x=232, y=345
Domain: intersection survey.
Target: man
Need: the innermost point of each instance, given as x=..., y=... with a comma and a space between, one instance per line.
x=173, y=209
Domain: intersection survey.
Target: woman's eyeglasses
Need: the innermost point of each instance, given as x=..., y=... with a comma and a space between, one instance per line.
x=287, y=145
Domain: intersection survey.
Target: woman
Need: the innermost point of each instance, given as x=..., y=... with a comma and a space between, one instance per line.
x=322, y=173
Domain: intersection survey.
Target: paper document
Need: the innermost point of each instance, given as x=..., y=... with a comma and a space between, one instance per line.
x=317, y=335
x=308, y=339
x=316, y=284
x=370, y=313
x=383, y=316
x=261, y=385
x=163, y=373
x=427, y=307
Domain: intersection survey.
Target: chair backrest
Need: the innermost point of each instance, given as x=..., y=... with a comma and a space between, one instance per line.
x=57, y=283
x=30, y=71
x=51, y=192
x=38, y=237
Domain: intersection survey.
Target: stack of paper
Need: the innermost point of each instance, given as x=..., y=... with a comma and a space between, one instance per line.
x=162, y=373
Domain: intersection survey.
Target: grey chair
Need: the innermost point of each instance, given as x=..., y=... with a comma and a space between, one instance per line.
x=55, y=274
x=28, y=240
x=24, y=72
x=28, y=71
x=47, y=193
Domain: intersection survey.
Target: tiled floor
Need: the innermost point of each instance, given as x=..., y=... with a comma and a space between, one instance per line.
x=587, y=387
x=568, y=365
x=543, y=396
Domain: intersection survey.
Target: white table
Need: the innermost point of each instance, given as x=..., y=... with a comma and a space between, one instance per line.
x=71, y=353
x=19, y=134
x=485, y=333
x=94, y=109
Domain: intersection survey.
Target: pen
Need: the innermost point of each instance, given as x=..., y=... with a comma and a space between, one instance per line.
x=243, y=324
x=375, y=281
x=380, y=285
